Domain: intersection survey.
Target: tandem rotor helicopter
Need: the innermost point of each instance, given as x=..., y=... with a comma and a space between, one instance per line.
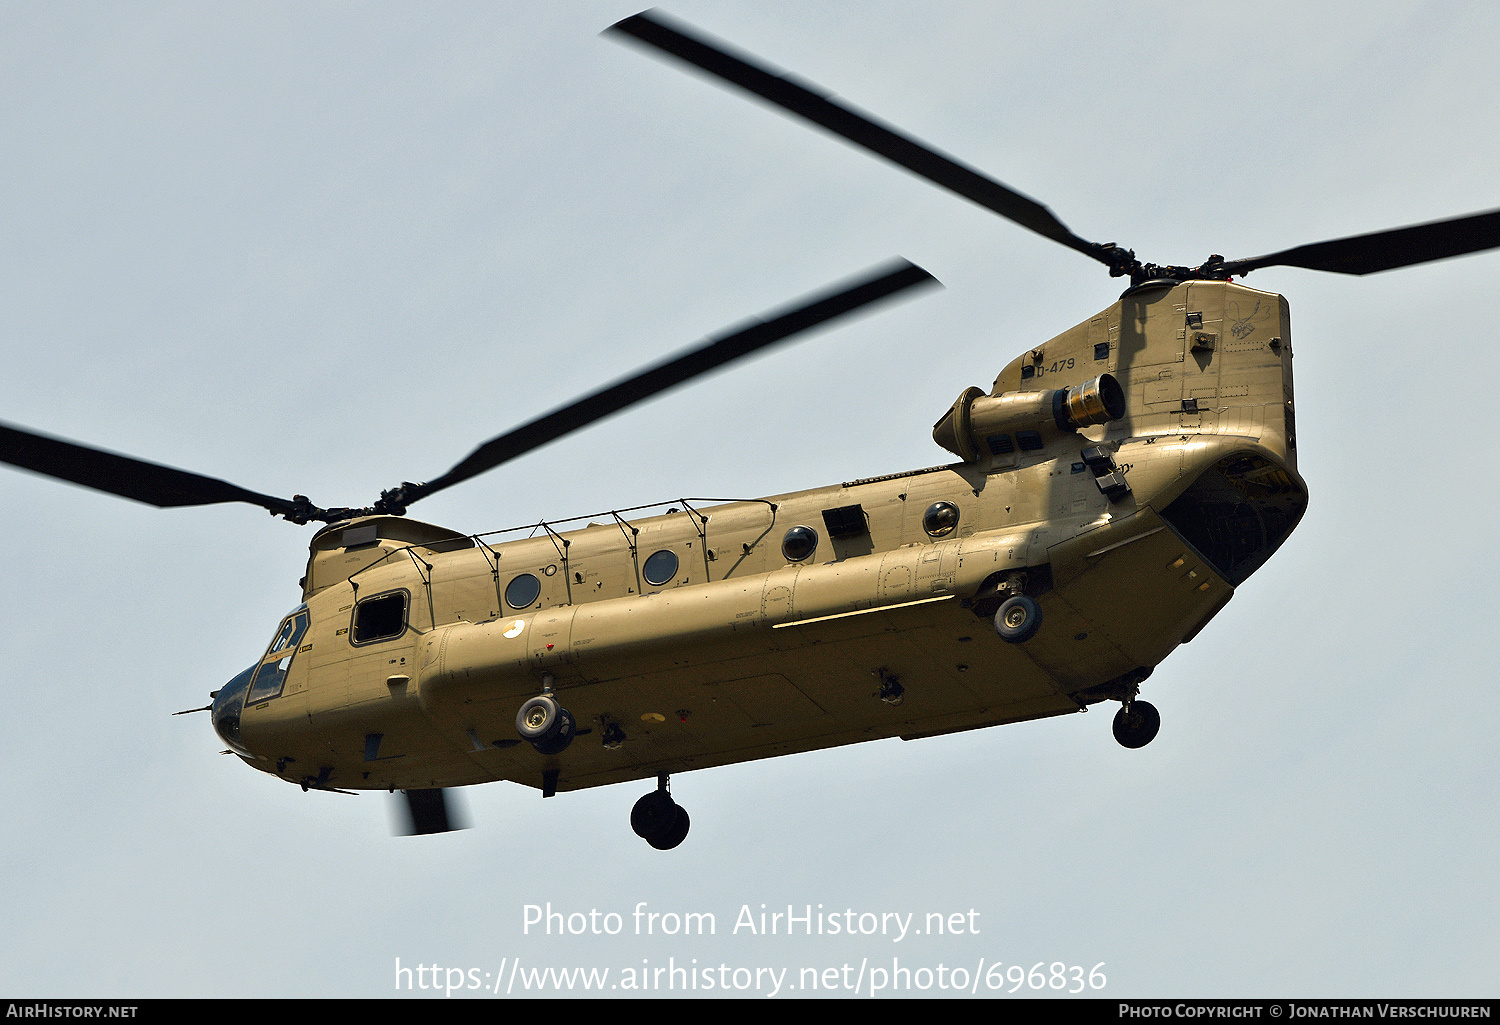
x=1111, y=489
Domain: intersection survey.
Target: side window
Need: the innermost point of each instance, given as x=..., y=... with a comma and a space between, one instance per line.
x=522, y=591
x=799, y=543
x=273, y=668
x=660, y=568
x=379, y=618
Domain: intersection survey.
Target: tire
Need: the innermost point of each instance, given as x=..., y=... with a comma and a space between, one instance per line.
x=538, y=717
x=562, y=735
x=676, y=834
x=654, y=817
x=1137, y=727
x=1018, y=619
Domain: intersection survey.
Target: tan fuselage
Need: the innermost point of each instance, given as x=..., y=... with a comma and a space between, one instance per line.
x=743, y=653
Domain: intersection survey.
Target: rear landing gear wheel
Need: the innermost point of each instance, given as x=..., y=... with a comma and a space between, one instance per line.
x=1136, y=724
x=659, y=820
x=674, y=836
x=1018, y=619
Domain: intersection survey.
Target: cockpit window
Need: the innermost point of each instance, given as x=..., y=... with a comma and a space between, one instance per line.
x=271, y=675
x=285, y=634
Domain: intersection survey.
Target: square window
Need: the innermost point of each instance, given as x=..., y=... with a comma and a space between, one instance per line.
x=379, y=617
x=845, y=521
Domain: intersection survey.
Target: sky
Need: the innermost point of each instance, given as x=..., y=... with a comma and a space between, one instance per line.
x=323, y=248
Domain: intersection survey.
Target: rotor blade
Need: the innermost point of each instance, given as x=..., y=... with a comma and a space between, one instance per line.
x=429, y=811
x=1386, y=250
x=655, y=29
x=882, y=283
x=152, y=483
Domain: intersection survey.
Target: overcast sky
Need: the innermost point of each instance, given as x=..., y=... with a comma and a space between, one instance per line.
x=325, y=248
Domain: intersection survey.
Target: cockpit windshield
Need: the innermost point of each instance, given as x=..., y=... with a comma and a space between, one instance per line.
x=277, y=661
x=285, y=634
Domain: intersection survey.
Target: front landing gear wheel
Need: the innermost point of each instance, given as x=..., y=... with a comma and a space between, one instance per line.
x=659, y=820
x=1136, y=724
x=546, y=724
x=1018, y=619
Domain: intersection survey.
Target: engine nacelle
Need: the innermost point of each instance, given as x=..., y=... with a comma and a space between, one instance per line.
x=980, y=424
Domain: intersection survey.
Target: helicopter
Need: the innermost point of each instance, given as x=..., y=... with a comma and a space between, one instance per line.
x=889, y=563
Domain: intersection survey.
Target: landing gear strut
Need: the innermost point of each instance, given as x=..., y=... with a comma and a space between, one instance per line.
x=1136, y=723
x=659, y=820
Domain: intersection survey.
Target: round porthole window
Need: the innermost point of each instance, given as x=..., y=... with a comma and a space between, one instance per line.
x=940, y=518
x=522, y=591
x=799, y=543
x=660, y=568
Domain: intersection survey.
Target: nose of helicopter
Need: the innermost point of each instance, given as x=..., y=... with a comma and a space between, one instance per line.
x=227, y=705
